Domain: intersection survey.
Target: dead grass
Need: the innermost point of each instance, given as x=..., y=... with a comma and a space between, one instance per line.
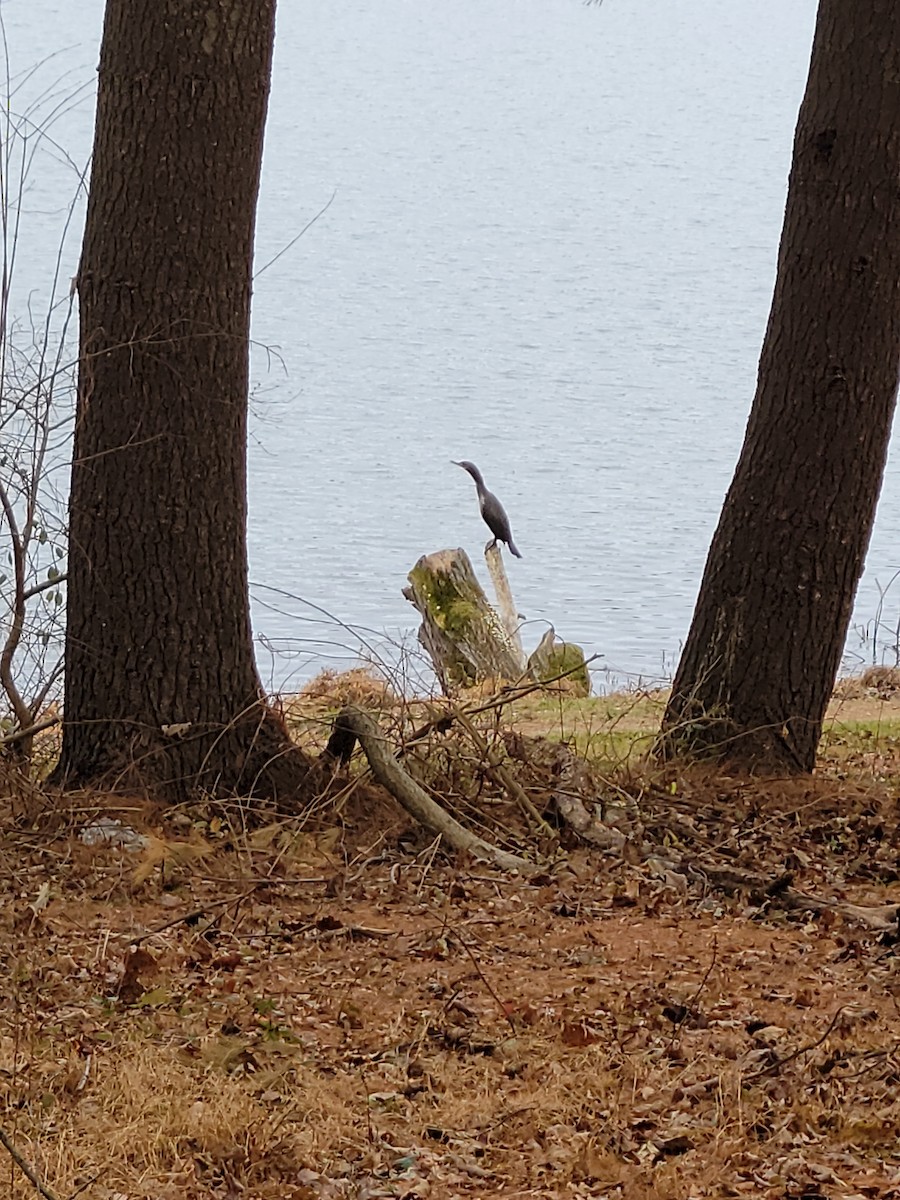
x=367, y=1020
x=615, y=731
x=310, y=713
x=334, y=1010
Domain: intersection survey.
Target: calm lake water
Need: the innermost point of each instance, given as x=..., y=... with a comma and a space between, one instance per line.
x=551, y=250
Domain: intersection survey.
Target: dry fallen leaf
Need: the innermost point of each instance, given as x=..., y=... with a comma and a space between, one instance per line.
x=579, y=1033
x=139, y=963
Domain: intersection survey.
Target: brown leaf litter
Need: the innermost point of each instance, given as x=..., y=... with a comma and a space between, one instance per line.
x=288, y=1012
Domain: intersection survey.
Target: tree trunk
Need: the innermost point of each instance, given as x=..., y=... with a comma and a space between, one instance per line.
x=777, y=593
x=161, y=682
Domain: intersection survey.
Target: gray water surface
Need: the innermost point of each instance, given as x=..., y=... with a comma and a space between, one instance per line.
x=551, y=250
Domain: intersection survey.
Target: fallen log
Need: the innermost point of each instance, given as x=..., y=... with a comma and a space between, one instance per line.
x=352, y=722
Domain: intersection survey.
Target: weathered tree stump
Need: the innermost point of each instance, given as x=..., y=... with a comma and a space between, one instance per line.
x=464, y=636
x=553, y=658
x=506, y=606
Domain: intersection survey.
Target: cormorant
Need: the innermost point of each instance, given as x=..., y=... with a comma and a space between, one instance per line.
x=491, y=509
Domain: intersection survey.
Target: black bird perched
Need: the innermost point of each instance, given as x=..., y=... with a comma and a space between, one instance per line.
x=491, y=509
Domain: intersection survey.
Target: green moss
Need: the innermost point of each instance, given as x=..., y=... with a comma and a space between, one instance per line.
x=565, y=658
x=451, y=610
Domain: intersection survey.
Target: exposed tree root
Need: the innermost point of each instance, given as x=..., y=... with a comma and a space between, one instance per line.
x=633, y=847
x=252, y=755
x=353, y=724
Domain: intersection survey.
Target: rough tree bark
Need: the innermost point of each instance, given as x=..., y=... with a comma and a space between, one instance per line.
x=775, y=602
x=161, y=682
x=462, y=633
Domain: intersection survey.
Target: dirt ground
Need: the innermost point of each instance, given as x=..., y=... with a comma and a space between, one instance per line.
x=284, y=1011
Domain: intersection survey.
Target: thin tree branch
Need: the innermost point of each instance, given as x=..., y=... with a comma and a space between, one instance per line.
x=296, y=239
x=775, y=1067
x=37, y=588
x=38, y=702
x=25, y=1166
x=20, y=734
x=20, y=708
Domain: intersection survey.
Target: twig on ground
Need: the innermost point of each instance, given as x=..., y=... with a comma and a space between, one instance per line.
x=691, y=1007
x=370, y=1131
x=83, y=1187
x=882, y=918
x=484, y=979
x=25, y=1167
x=195, y=913
x=774, y=1067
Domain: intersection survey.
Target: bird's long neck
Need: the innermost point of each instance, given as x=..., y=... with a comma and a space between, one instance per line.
x=477, y=476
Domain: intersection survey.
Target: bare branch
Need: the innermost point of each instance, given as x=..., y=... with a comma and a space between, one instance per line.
x=21, y=734
x=25, y=1167
x=37, y=588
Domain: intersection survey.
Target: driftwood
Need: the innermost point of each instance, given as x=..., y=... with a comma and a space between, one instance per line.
x=590, y=828
x=353, y=723
x=614, y=828
x=884, y=918
x=464, y=636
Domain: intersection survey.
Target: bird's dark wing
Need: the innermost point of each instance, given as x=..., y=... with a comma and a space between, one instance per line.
x=497, y=521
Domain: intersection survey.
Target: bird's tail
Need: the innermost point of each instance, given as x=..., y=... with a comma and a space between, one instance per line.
x=513, y=550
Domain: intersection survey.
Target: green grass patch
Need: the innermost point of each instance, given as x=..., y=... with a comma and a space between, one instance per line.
x=863, y=736
x=612, y=730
